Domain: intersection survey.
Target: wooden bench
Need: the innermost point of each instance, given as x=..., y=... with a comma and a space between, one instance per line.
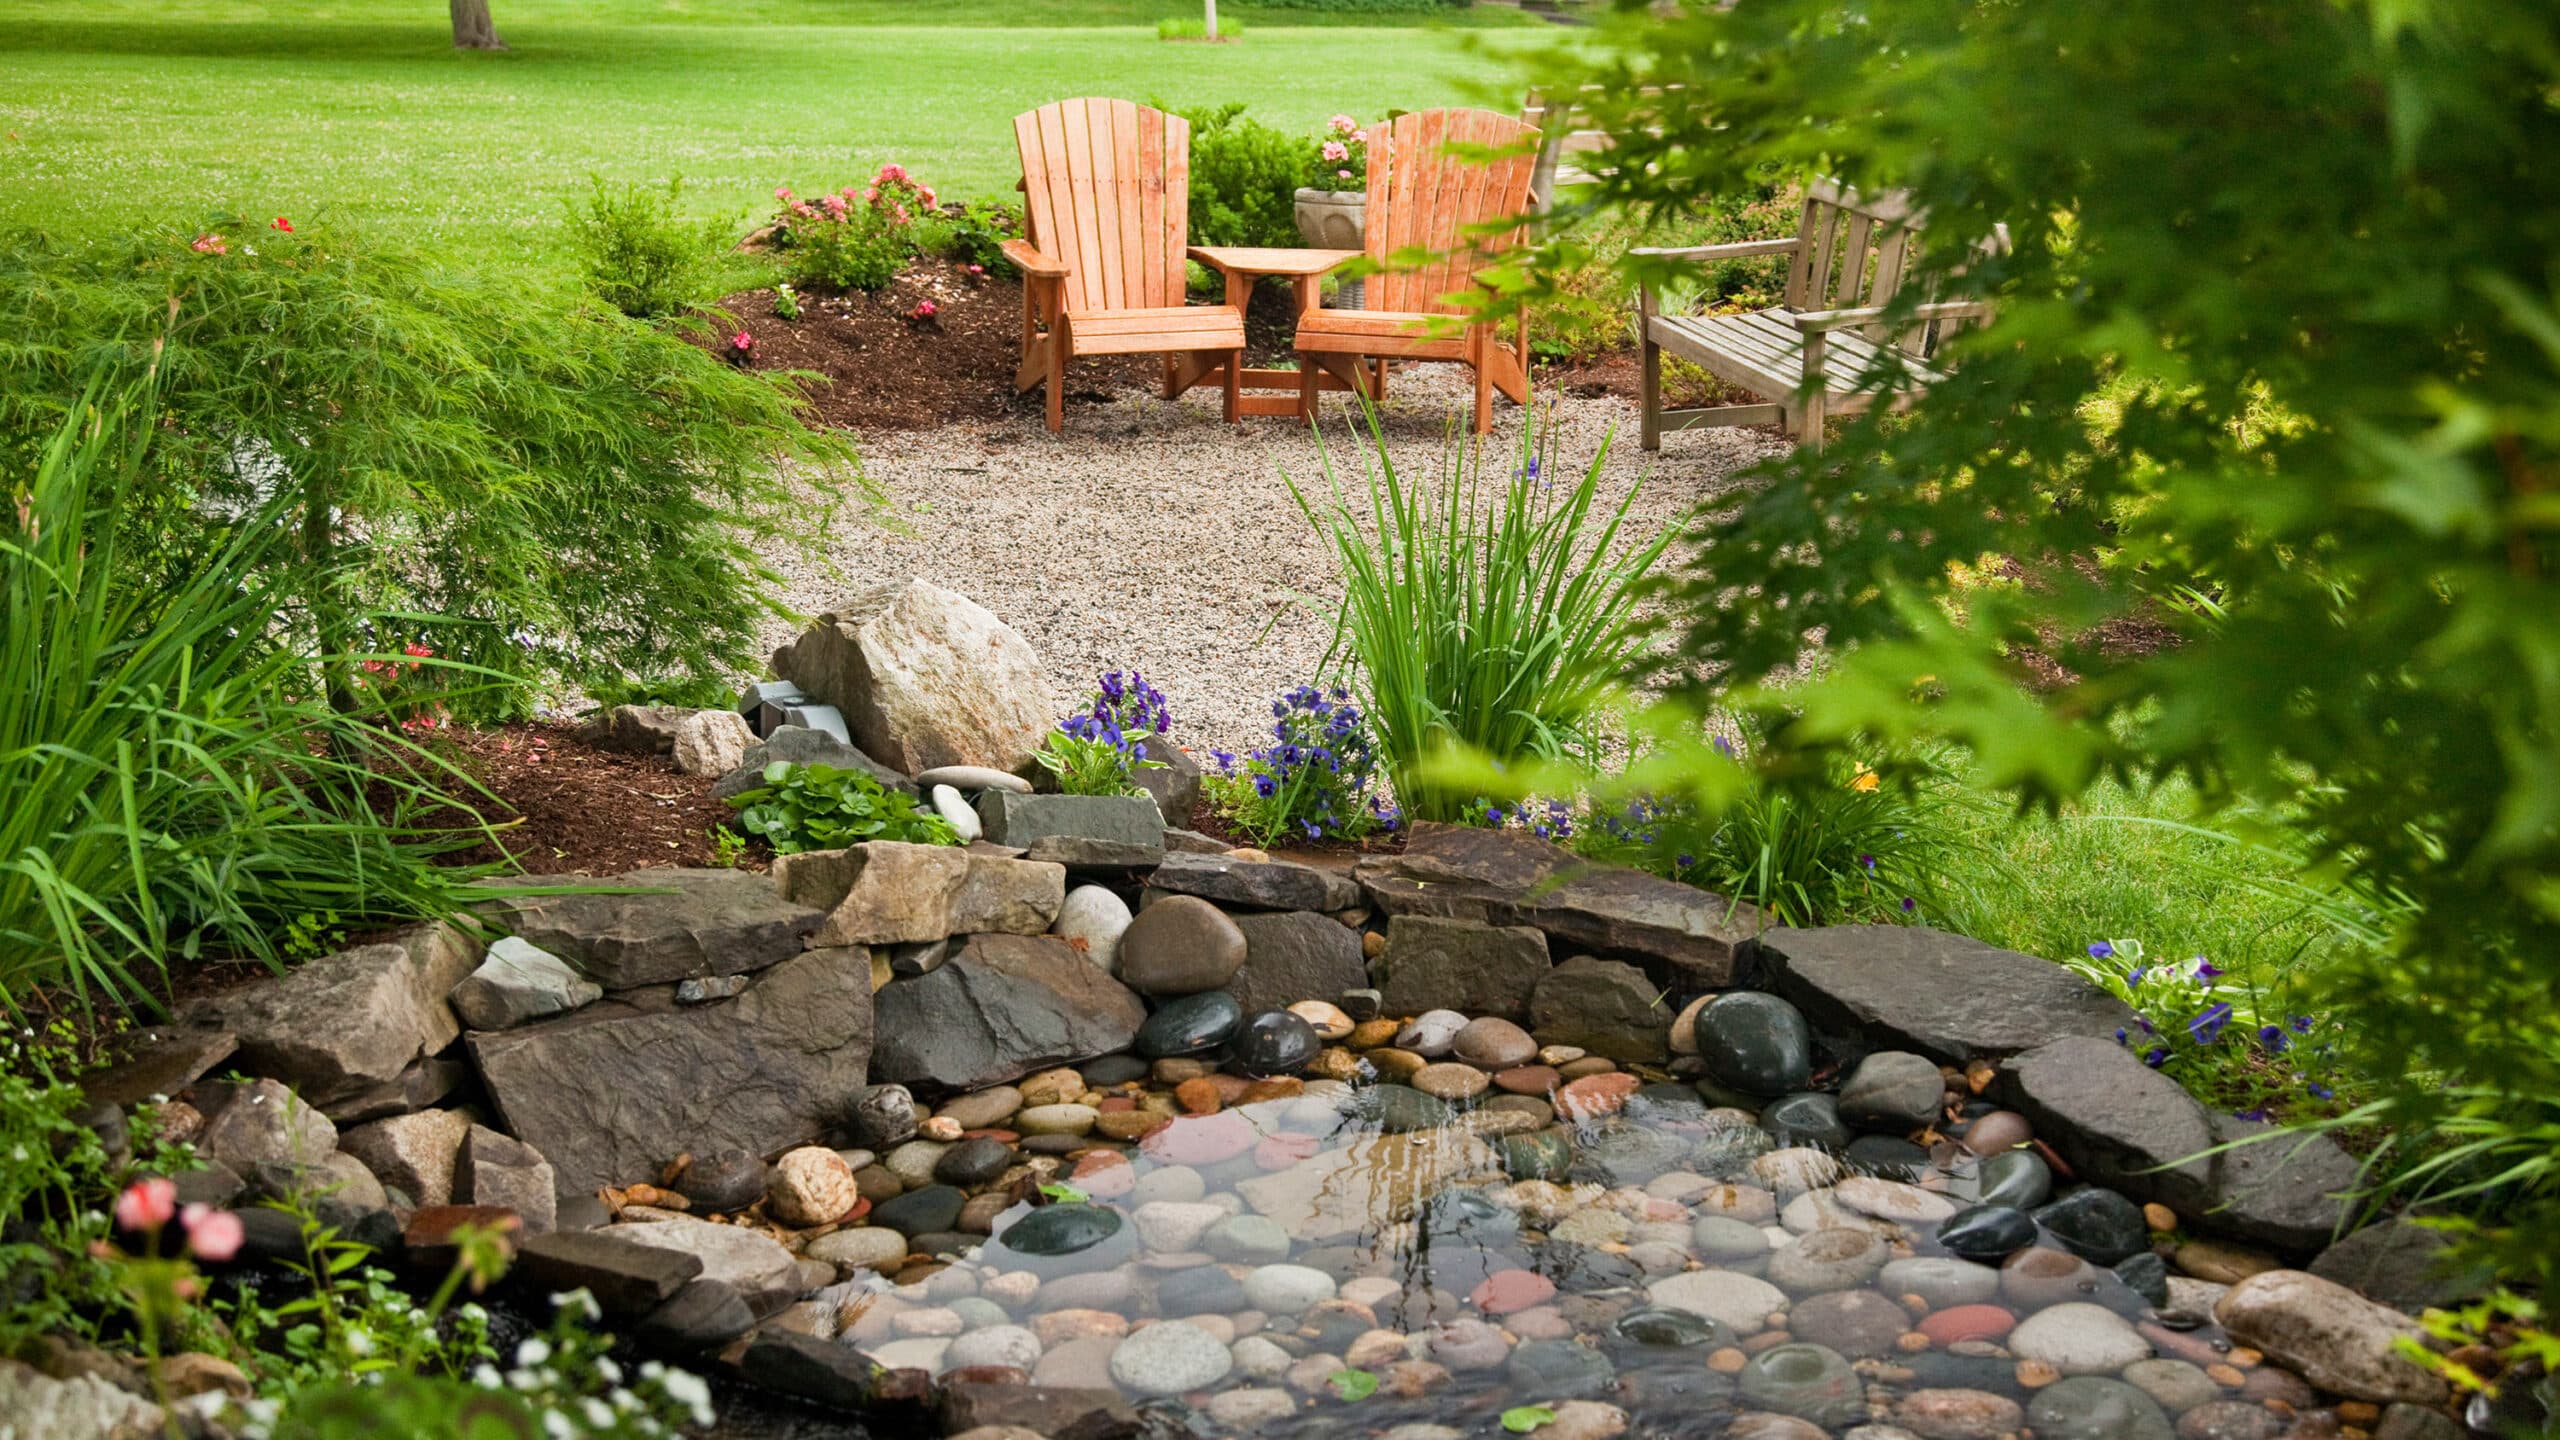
x=1825, y=350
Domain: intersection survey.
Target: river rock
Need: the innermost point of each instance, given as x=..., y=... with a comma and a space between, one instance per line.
x=1001, y=1008
x=1810, y=1118
x=1493, y=1043
x=1431, y=963
x=1275, y=1042
x=1294, y=956
x=1093, y=919
x=1809, y=1382
x=1509, y=877
x=1606, y=1007
x=1181, y=945
x=1756, y=1043
x=2090, y=1407
x=925, y=678
x=1893, y=1091
x=609, y=1093
x=350, y=1023
x=1190, y=1025
x=671, y=924
x=1827, y=1260
x=2019, y=1179
x=1958, y=1414
x=1741, y=1303
x=1169, y=1358
x=2331, y=1336
x=2096, y=1224
x=2078, y=1338
x=1987, y=1232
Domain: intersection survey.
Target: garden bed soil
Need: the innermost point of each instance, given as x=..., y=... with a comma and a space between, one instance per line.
x=566, y=807
x=879, y=368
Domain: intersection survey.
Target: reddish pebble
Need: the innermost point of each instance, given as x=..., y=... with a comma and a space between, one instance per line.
x=1199, y=1097
x=1114, y=1103
x=1278, y=1087
x=1595, y=1095
x=1527, y=1080
x=1007, y=1136
x=1507, y=1290
x=1967, y=1322
x=861, y=1207
x=1230, y=1088
x=1104, y=1174
x=1279, y=1152
x=1201, y=1139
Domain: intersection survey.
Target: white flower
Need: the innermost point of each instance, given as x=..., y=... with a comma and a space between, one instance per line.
x=609, y=1371
x=599, y=1415
x=486, y=1376
x=651, y=1369
x=533, y=1352
x=558, y=1426
x=358, y=1342
x=686, y=1389
x=471, y=1311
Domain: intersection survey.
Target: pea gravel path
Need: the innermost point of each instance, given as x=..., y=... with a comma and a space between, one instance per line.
x=1151, y=535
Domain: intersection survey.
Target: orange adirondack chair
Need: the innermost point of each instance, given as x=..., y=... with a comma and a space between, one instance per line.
x=1420, y=195
x=1106, y=189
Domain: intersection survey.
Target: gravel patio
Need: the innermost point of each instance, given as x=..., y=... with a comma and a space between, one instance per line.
x=1152, y=535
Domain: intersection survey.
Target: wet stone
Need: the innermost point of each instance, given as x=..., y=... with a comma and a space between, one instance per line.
x=919, y=1212
x=2096, y=1224
x=2016, y=1178
x=1541, y=1156
x=972, y=1163
x=1558, y=1370
x=1810, y=1118
x=2091, y=1407
x=1987, y=1232
x=1857, y=1323
x=1884, y=1155
x=1809, y=1382
x=1754, y=1042
x=1669, y=1329
x=1190, y=1024
x=1893, y=1091
x=1275, y=1042
x=1057, y=1230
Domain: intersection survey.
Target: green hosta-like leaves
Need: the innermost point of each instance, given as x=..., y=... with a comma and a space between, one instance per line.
x=820, y=807
x=1521, y=1419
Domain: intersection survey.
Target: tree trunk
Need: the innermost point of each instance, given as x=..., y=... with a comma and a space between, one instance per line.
x=472, y=27
x=1209, y=27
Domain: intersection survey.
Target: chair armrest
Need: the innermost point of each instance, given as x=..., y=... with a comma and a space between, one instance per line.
x=1813, y=321
x=1031, y=260
x=1738, y=250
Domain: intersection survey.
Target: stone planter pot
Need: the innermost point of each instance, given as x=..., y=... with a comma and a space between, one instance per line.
x=1335, y=220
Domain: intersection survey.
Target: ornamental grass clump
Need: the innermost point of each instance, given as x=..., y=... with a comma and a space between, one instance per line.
x=1493, y=621
x=178, y=781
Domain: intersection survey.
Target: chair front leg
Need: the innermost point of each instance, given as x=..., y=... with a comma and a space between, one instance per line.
x=1817, y=352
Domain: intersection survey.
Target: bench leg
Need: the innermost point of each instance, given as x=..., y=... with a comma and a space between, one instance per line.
x=1649, y=398
x=1810, y=418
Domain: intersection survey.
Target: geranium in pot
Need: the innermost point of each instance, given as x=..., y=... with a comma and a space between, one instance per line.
x=1333, y=211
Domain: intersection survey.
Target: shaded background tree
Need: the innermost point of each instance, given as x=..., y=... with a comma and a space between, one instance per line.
x=2277, y=368
x=472, y=27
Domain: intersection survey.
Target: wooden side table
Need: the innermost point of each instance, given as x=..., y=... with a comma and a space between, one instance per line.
x=1243, y=265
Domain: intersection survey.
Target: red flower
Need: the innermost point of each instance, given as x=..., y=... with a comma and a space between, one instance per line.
x=284, y=225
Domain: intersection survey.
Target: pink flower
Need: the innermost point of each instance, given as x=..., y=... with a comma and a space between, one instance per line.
x=146, y=1204
x=925, y=309
x=782, y=193
x=1336, y=150
x=210, y=243
x=925, y=193
x=977, y=269
x=1342, y=174
x=801, y=209
x=213, y=1234
x=1342, y=124
x=835, y=206
x=284, y=225
x=872, y=194
x=893, y=171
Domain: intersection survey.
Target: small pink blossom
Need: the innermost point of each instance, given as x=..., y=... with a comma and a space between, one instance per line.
x=782, y=193
x=1342, y=174
x=836, y=206
x=872, y=194
x=925, y=193
x=146, y=1204
x=212, y=1234
x=893, y=171
x=1336, y=151
x=1342, y=124
x=210, y=243
x=926, y=309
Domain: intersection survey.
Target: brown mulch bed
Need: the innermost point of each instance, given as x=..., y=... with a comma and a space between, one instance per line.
x=566, y=807
x=1620, y=373
x=882, y=369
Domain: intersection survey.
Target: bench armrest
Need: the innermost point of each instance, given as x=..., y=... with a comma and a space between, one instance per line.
x=1737, y=250
x=1813, y=321
x=1031, y=260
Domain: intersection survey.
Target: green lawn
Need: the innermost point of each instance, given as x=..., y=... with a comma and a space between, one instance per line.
x=116, y=112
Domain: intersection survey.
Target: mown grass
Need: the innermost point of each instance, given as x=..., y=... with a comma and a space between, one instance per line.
x=121, y=110
x=2137, y=863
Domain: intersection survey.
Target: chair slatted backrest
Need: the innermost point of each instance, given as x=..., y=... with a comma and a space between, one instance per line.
x=1855, y=251
x=1422, y=196
x=1106, y=187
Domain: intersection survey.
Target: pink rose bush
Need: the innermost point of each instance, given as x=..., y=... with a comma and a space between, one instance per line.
x=856, y=238
x=1343, y=149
